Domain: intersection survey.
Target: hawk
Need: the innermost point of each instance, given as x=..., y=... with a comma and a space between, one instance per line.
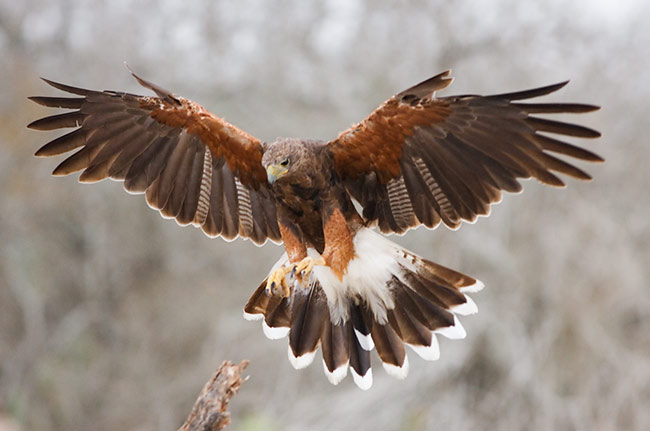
x=418, y=159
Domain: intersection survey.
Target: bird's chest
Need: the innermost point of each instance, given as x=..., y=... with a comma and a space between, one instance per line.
x=306, y=204
x=301, y=199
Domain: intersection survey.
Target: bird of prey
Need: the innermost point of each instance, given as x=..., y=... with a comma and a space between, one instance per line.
x=418, y=159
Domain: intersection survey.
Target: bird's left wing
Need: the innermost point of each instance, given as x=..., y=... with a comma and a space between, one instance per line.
x=192, y=165
x=419, y=159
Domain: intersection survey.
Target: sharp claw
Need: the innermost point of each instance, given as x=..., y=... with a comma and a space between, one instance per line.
x=299, y=274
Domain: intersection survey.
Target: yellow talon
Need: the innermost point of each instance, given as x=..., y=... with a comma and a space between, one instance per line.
x=277, y=282
x=303, y=269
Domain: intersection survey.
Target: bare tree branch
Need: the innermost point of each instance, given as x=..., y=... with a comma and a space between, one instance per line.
x=209, y=412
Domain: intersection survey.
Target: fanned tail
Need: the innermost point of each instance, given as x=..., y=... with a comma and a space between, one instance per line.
x=388, y=299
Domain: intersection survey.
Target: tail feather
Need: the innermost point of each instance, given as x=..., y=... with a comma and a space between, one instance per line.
x=447, y=275
x=274, y=332
x=433, y=315
x=277, y=313
x=361, y=330
x=309, y=314
x=336, y=351
x=415, y=301
x=409, y=302
x=453, y=332
x=421, y=337
x=276, y=318
x=466, y=308
x=255, y=308
x=273, y=310
x=359, y=355
x=390, y=350
x=428, y=352
x=258, y=304
x=438, y=292
x=409, y=329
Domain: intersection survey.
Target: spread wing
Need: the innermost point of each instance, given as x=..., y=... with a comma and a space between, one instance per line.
x=418, y=159
x=192, y=165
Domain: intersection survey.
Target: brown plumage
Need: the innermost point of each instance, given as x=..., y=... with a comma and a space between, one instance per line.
x=193, y=166
x=417, y=159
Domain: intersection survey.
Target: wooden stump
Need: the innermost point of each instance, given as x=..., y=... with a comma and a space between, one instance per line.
x=210, y=409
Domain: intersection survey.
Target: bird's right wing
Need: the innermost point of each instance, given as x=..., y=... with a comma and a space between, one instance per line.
x=192, y=165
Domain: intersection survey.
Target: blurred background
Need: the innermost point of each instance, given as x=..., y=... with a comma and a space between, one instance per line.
x=113, y=318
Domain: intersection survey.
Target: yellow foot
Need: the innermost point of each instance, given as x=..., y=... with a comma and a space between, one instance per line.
x=277, y=282
x=302, y=270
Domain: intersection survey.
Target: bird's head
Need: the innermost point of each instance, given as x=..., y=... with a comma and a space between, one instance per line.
x=278, y=168
x=287, y=160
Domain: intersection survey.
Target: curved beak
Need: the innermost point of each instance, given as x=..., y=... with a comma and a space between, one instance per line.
x=273, y=172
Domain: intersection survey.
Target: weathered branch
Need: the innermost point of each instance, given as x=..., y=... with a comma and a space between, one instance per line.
x=210, y=409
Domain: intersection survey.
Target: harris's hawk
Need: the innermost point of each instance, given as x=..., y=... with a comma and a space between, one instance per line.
x=418, y=159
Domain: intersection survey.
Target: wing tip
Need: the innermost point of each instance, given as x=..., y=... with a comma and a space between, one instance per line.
x=597, y=159
x=50, y=82
x=445, y=76
x=594, y=133
x=430, y=86
x=532, y=93
x=160, y=92
x=561, y=84
x=588, y=107
x=34, y=125
x=66, y=88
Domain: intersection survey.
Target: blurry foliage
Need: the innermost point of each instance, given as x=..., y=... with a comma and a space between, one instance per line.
x=112, y=318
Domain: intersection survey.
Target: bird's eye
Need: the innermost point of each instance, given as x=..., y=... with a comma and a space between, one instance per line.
x=284, y=162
